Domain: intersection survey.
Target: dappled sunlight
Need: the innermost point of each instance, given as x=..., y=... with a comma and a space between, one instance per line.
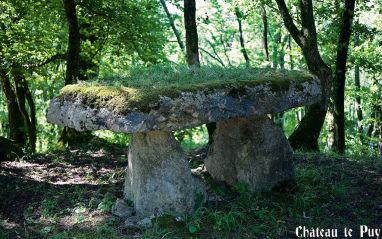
x=62, y=191
x=59, y=172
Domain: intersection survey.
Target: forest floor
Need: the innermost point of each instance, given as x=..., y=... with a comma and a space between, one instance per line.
x=69, y=194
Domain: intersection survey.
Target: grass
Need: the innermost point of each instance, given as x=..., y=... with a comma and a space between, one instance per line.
x=161, y=76
x=140, y=88
x=53, y=196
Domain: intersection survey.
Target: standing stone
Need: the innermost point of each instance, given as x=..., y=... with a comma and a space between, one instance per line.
x=158, y=177
x=252, y=150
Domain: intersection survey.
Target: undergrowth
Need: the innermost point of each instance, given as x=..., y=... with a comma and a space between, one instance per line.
x=328, y=192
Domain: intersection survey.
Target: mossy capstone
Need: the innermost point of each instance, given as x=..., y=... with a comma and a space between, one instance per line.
x=172, y=108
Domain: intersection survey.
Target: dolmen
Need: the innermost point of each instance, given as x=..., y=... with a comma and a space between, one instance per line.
x=248, y=147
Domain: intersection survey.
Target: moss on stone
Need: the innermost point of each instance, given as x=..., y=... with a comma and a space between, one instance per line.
x=122, y=100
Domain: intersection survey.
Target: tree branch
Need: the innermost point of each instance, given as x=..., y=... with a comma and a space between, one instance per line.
x=171, y=21
x=91, y=10
x=214, y=49
x=288, y=21
x=51, y=59
x=213, y=57
x=307, y=19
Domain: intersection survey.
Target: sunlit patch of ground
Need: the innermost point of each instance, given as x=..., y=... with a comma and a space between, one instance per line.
x=96, y=168
x=51, y=193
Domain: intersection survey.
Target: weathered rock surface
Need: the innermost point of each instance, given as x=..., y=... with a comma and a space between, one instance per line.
x=158, y=176
x=185, y=109
x=122, y=209
x=252, y=150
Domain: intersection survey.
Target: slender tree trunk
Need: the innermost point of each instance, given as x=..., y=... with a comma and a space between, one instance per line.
x=282, y=52
x=290, y=56
x=225, y=50
x=380, y=128
x=217, y=58
x=371, y=127
x=15, y=118
x=239, y=16
x=191, y=33
x=32, y=107
x=358, y=103
x=20, y=92
x=171, y=21
x=340, y=77
x=265, y=32
x=357, y=83
x=277, y=39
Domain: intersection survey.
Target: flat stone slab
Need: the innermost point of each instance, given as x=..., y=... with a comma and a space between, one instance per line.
x=170, y=108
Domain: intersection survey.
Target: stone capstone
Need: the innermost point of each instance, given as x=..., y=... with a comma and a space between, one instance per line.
x=189, y=108
x=158, y=177
x=250, y=150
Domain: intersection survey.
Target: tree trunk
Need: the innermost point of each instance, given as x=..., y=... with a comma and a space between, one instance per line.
x=358, y=103
x=225, y=50
x=282, y=52
x=340, y=77
x=68, y=136
x=15, y=118
x=265, y=32
x=30, y=123
x=192, y=47
x=305, y=136
x=74, y=43
x=290, y=56
x=277, y=39
x=171, y=21
x=191, y=33
x=380, y=130
x=239, y=16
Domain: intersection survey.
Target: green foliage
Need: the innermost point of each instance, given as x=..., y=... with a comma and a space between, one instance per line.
x=192, y=138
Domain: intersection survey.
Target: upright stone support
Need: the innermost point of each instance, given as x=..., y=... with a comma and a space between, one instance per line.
x=252, y=150
x=158, y=177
